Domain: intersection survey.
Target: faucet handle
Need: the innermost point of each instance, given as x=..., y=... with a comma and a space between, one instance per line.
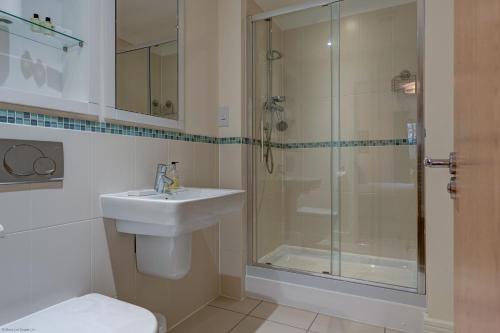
x=161, y=168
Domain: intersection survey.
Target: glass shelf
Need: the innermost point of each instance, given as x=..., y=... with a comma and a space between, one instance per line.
x=21, y=27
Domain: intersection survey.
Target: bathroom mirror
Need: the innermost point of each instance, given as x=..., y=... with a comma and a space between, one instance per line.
x=149, y=59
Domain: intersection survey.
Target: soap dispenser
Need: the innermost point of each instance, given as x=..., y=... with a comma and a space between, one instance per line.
x=175, y=177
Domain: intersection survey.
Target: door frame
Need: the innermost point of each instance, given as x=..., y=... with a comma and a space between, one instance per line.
x=421, y=247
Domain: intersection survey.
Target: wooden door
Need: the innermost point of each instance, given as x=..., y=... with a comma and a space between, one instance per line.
x=477, y=143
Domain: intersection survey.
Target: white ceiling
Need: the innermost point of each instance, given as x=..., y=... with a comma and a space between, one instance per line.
x=319, y=14
x=146, y=21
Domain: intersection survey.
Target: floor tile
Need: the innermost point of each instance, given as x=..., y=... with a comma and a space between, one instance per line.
x=210, y=319
x=284, y=315
x=326, y=324
x=244, y=306
x=257, y=325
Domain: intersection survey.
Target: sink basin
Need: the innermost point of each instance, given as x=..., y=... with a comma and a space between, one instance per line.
x=170, y=215
x=164, y=223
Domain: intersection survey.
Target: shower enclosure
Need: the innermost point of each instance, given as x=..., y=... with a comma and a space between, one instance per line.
x=336, y=122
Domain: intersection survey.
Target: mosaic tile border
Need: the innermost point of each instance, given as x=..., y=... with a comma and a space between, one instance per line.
x=349, y=143
x=41, y=120
x=47, y=121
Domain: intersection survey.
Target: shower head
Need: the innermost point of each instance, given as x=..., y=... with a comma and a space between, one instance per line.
x=274, y=55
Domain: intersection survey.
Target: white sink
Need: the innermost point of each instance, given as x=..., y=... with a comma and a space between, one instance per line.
x=164, y=223
x=170, y=215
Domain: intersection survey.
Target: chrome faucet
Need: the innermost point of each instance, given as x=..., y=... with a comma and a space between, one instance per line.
x=162, y=180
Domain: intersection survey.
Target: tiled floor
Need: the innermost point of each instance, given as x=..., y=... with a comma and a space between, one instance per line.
x=254, y=316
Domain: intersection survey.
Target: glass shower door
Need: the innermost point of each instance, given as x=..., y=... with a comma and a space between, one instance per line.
x=379, y=159
x=295, y=126
x=337, y=187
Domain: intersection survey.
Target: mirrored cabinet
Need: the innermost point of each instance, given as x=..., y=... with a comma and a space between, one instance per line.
x=147, y=57
x=59, y=55
x=148, y=62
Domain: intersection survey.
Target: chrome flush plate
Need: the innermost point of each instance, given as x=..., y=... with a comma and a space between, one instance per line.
x=25, y=161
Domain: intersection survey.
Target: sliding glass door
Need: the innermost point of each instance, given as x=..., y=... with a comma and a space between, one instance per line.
x=334, y=157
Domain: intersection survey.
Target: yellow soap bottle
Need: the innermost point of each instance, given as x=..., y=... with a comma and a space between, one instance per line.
x=175, y=177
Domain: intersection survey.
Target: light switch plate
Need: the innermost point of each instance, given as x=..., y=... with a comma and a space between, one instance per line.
x=223, y=120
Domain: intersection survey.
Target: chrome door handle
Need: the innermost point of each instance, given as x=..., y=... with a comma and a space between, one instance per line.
x=450, y=163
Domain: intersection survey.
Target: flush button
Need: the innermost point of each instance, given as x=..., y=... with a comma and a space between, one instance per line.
x=44, y=166
x=18, y=160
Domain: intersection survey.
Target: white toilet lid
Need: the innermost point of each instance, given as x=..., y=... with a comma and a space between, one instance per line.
x=93, y=313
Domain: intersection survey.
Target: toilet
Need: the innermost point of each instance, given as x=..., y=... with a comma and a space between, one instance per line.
x=92, y=313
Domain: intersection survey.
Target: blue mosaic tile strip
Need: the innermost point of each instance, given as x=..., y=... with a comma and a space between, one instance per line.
x=339, y=144
x=41, y=120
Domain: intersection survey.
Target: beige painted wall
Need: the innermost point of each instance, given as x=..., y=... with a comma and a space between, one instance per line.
x=231, y=47
x=439, y=76
x=201, y=67
x=232, y=171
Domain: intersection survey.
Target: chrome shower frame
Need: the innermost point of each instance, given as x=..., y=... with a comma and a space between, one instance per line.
x=250, y=89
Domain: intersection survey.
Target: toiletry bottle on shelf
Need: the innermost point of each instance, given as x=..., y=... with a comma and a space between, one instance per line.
x=48, y=24
x=175, y=177
x=36, y=27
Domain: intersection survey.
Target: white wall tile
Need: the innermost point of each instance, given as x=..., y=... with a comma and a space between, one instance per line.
x=231, y=232
x=230, y=162
x=206, y=164
x=54, y=203
x=231, y=263
x=183, y=152
x=102, y=271
x=15, y=259
x=149, y=153
x=113, y=163
x=15, y=207
x=59, y=203
x=61, y=266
